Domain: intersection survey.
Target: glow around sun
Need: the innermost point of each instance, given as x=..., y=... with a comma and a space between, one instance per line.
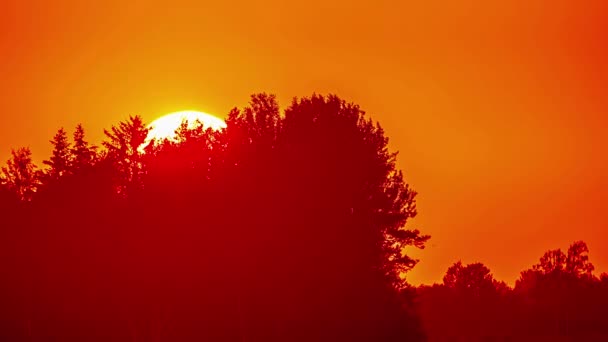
x=166, y=126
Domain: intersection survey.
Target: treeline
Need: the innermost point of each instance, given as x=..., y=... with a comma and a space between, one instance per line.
x=282, y=227
x=558, y=299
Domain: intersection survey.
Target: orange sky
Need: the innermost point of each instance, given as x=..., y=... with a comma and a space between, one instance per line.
x=498, y=109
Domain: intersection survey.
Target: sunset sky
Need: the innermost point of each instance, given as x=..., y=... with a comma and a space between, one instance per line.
x=499, y=109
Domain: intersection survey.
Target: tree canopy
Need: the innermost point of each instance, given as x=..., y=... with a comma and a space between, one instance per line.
x=282, y=226
x=285, y=225
x=20, y=175
x=557, y=299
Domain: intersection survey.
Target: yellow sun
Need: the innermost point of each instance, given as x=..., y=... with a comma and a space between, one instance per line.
x=166, y=126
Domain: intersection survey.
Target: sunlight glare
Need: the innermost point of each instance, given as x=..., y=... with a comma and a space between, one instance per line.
x=166, y=126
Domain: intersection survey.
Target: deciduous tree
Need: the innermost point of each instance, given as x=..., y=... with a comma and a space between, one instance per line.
x=123, y=146
x=21, y=175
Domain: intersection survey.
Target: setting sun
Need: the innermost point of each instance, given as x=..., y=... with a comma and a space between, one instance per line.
x=166, y=126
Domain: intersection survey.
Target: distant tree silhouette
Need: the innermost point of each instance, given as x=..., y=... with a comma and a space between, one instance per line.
x=83, y=154
x=474, y=277
x=60, y=160
x=552, y=261
x=261, y=120
x=123, y=148
x=470, y=305
x=562, y=296
x=20, y=175
x=577, y=261
x=557, y=299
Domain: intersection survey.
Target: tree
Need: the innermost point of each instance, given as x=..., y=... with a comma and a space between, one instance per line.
x=527, y=281
x=336, y=146
x=60, y=160
x=323, y=192
x=21, y=175
x=553, y=261
x=558, y=293
x=474, y=276
x=83, y=153
x=262, y=118
x=577, y=261
x=123, y=148
x=469, y=305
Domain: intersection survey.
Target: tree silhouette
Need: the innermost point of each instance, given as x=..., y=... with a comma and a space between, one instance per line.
x=83, y=153
x=355, y=207
x=470, y=305
x=262, y=119
x=20, y=175
x=577, y=261
x=285, y=226
x=298, y=200
x=123, y=148
x=474, y=277
x=561, y=296
x=552, y=261
x=60, y=160
x=336, y=148
x=557, y=299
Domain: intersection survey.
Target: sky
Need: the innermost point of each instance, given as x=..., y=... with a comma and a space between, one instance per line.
x=498, y=108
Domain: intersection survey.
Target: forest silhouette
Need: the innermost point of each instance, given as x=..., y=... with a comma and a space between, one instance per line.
x=281, y=227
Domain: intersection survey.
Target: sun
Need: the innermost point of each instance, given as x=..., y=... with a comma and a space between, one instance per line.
x=166, y=126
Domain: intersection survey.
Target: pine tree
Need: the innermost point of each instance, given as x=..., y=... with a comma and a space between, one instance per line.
x=83, y=153
x=60, y=160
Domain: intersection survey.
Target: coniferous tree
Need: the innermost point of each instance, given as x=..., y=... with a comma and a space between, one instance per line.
x=60, y=160
x=83, y=153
